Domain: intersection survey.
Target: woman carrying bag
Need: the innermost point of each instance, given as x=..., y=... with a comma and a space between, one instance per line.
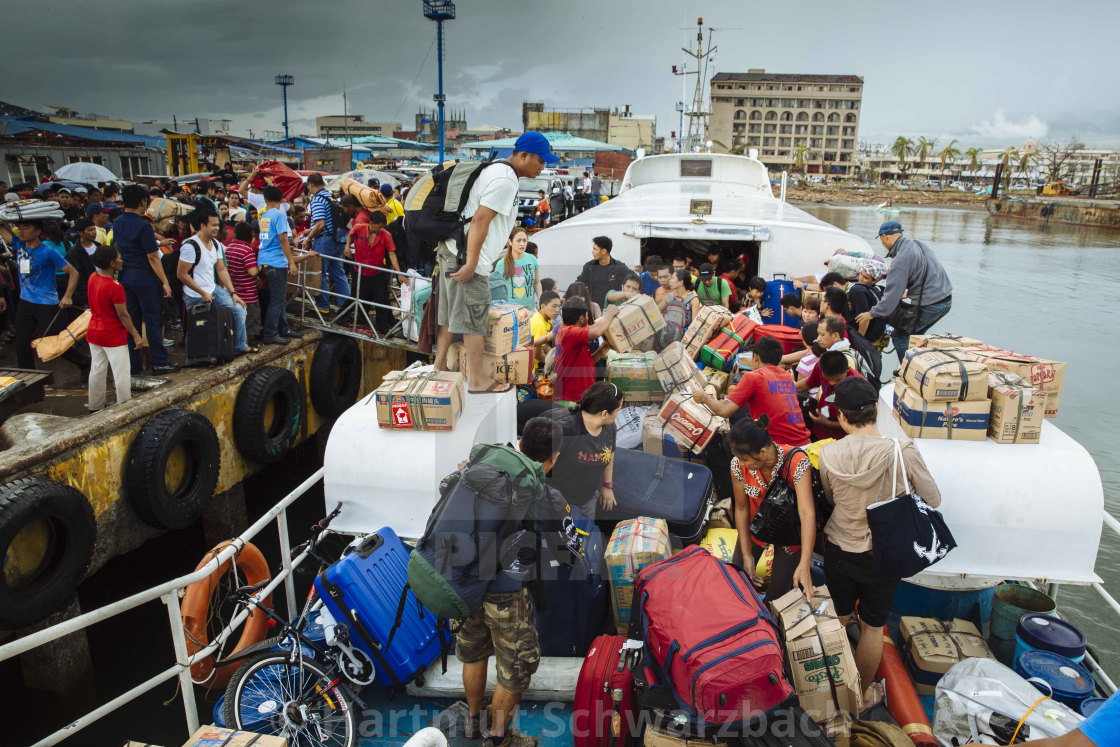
x=762, y=471
x=859, y=472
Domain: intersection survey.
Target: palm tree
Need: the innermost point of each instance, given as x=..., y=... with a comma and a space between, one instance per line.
x=925, y=147
x=950, y=153
x=902, y=148
x=1010, y=161
x=973, y=156
x=802, y=154
x=738, y=145
x=1026, y=161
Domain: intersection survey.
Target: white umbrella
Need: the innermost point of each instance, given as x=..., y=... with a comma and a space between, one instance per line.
x=86, y=172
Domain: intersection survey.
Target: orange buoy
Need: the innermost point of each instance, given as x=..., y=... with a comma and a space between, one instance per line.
x=195, y=612
x=902, y=698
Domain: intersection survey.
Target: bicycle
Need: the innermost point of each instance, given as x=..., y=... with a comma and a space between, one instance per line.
x=291, y=685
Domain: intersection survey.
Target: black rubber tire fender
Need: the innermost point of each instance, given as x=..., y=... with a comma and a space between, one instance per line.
x=65, y=518
x=336, y=375
x=145, y=482
x=268, y=442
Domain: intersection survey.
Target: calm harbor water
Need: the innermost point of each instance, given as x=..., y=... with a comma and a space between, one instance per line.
x=1040, y=290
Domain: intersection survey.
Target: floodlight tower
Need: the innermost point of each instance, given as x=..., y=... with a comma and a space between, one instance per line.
x=284, y=81
x=439, y=11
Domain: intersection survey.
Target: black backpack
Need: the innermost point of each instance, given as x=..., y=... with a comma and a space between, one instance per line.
x=869, y=361
x=441, y=215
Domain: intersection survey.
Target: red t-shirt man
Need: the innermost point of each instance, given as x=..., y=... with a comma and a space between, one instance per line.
x=771, y=390
x=105, y=328
x=575, y=369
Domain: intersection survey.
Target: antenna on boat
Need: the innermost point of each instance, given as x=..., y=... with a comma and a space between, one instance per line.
x=697, y=112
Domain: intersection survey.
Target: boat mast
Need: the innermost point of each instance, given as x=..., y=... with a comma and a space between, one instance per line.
x=697, y=112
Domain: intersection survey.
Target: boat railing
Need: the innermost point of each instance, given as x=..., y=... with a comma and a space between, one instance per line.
x=170, y=593
x=357, y=316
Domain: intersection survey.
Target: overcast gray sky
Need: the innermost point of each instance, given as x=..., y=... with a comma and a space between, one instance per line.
x=987, y=73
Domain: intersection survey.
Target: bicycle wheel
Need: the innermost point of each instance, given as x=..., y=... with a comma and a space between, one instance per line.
x=292, y=698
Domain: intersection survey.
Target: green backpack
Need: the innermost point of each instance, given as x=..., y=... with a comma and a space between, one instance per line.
x=467, y=540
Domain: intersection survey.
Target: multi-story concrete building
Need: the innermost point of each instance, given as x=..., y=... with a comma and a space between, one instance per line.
x=632, y=131
x=774, y=112
x=352, y=125
x=618, y=126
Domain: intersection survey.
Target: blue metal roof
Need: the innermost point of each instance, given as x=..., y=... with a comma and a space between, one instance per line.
x=18, y=125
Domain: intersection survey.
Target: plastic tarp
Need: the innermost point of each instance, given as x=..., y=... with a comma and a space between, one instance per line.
x=289, y=182
x=976, y=693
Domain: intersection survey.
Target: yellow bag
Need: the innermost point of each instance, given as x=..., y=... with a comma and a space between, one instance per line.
x=814, y=451
x=765, y=565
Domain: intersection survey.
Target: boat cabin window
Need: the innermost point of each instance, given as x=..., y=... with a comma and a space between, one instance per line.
x=696, y=167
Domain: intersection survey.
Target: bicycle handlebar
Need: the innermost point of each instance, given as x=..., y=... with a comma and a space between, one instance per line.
x=320, y=527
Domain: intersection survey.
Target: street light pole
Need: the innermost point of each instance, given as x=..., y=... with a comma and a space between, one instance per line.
x=439, y=11
x=284, y=81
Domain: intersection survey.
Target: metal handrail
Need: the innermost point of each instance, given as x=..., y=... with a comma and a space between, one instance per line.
x=169, y=593
x=309, y=309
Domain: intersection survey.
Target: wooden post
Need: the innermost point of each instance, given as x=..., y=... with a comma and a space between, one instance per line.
x=995, y=180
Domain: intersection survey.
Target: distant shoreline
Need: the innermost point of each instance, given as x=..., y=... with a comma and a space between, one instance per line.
x=852, y=196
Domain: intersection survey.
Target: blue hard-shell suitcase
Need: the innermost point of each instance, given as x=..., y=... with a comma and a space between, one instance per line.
x=772, y=299
x=576, y=597
x=660, y=487
x=367, y=582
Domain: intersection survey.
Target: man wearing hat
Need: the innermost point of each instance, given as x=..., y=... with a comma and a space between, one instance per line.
x=713, y=290
x=100, y=217
x=916, y=272
x=854, y=471
x=464, y=289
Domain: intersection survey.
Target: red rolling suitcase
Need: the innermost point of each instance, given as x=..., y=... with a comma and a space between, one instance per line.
x=788, y=336
x=605, y=710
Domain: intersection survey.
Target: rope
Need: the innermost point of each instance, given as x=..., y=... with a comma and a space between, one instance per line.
x=1023, y=720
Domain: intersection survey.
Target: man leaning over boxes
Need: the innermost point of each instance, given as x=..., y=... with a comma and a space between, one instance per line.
x=464, y=292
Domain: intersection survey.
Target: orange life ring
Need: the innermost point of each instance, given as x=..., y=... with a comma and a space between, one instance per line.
x=195, y=609
x=902, y=698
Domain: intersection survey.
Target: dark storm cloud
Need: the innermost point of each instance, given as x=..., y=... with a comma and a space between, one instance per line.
x=960, y=68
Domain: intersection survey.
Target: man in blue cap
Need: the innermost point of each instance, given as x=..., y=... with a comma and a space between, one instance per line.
x=915, y=271
x=464, y=290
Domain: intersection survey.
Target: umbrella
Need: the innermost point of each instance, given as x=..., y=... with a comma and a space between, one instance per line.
x=86, y=172
x=70, y=185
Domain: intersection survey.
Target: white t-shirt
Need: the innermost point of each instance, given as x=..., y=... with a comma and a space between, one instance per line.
x=586, y=184
x=496, y=189
x=204, y=274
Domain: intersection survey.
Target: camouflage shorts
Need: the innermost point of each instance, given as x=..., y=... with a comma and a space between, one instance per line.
x=504, y=627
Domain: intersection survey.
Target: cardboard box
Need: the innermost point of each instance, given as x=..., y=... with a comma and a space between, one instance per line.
x=1018, y=409
x=931, y=648
x=509, y=368
x=634, y=375
x=718, y=379
x=943, y=341
x=216, y=736
x=944, y=375
x=638, y=320
x=508, y=328
x=676, y=370
x=420, y=400
x=1038, y=372
x=819, y=655
x=704, y=327
x=634, y=544
x=690, y=423
x=953, y=421
x=655, y=737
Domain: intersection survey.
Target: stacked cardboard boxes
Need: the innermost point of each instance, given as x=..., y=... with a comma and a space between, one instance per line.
x=942, y=394
x=1046, y=375
x=507, y=328
x=704, y=327
x=1018, y=409
x=691, y=424
x=676, y=370
x=818, y=653
x=635, y=377
x=515, y=367
x=634, y=544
